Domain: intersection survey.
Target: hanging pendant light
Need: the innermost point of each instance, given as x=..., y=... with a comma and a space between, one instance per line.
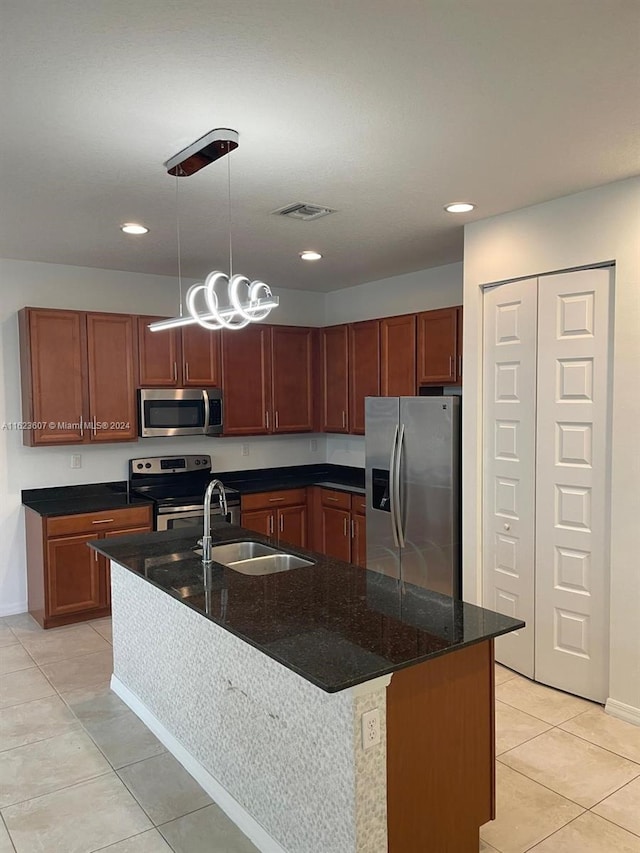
x=222, y=301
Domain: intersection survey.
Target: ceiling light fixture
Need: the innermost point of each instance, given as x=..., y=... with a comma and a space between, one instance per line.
x=246, y=301
x=459, y=207
x=310, y=255
x=133, y=228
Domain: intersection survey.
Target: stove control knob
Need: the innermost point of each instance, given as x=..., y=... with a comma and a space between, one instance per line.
x=147, y=465
x=197, y=461
x=139, y=465
x=204, y=461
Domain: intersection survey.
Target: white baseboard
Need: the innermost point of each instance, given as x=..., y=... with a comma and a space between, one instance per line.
x=623, y=712
x=13, y=609
x=229, y=805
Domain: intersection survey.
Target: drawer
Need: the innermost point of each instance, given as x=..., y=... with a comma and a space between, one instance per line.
x=268, y=500
x=98, y=522
x=330, y=497
x=359, y=504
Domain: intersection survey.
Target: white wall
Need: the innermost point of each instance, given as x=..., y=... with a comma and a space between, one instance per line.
x=588, y=228
x=438, y=287
x=56, y=286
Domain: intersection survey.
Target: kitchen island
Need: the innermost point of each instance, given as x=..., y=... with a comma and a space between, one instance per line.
x=258, y=685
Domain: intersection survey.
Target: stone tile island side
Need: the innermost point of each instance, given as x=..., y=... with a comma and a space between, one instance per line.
x=258, y=686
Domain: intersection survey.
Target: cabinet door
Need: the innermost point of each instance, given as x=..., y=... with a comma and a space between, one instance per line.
x=73, y=577
x=246, y=380
x=438, y=347
x=158, y=356
x=112, y=384
x=459, y=379
x=335, y=378
x=292, y=379
x=364, y=370
x=260, y=520
x=292, y=525
x=52, y=348
x=359, y=537
x=336, y=533
x=201, y=357
x=398, y=356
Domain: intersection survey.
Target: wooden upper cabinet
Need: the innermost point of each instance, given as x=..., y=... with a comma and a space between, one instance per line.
x=438, y=352
x=364, y=370
x=334, y=348
x=292, y=379
x=398, y=356
x=158, y=356
x=246, y=380
x=201, y=366
x=53, y=375
x=111, y=377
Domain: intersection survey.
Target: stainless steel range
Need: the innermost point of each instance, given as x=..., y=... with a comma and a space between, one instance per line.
x=176, y=485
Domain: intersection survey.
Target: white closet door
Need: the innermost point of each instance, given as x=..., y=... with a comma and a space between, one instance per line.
x=572, y=584
x=509, y=463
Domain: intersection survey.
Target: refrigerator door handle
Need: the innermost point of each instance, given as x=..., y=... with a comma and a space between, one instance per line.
x=396, y=488
x=392, y=488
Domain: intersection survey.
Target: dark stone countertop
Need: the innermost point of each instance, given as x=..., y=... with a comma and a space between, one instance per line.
x=94, y=497
x=342, y=477
x=333, y=623
x=71, y=500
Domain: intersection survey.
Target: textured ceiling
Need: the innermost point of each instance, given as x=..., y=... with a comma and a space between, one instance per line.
x=383, y=111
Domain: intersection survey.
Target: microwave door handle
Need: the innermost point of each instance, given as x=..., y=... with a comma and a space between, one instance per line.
x=207, y=410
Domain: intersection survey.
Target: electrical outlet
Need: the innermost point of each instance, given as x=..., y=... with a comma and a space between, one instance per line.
x=76, y=460
x=245, y=450
x=313, y=444
x=371, y=728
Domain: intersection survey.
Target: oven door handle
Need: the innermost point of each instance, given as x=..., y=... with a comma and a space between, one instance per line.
x=207, y=410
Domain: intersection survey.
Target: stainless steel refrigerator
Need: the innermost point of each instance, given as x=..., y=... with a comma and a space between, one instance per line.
x=413, y=490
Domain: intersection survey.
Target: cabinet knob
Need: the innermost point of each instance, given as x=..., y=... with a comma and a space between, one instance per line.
x=507, y=527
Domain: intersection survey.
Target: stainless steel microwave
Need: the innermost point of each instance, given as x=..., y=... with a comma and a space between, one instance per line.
x=179, y=411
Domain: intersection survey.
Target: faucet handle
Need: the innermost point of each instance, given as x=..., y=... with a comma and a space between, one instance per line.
x=200, y=542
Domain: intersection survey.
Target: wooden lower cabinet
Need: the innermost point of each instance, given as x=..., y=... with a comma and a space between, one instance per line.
x=359, y=530
x=281, y=514
x=68, y=581
x=73, y=576
x=336, y=533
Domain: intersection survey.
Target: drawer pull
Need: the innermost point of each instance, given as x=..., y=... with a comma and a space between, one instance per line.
x=103, y=521
x=331, y=499
x=272, y=500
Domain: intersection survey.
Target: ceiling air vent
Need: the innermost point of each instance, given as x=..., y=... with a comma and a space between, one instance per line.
x=306, y=212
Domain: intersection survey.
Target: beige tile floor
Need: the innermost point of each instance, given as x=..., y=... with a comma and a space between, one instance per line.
x=568, y=775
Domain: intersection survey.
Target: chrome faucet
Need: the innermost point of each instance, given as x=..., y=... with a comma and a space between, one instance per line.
x=206, y=535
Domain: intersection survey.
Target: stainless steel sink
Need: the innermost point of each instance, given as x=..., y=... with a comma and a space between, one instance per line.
x=255, y=558
x=269, y=564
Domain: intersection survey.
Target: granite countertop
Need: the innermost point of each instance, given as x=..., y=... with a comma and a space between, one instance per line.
x=335, y=624
x=71, y=500
x=94, y=497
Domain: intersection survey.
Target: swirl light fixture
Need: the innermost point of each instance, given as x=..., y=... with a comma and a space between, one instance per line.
x=246, y=301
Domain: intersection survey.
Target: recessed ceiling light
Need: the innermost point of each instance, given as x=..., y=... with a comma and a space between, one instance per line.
x=133, y=228
x=310, y=255
x=459, y=207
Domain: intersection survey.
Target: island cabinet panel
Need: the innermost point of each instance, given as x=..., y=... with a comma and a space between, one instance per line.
x=364, y=370
x=201, y=357
x=68, y=581
x=440, y=776
x=292, y=378
x=159, y=356
x=112, y=380
x=398, y=356
x=334, y=353
x=53, y=375
x=439, y=354
x=246, y=380
x=73, y=577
